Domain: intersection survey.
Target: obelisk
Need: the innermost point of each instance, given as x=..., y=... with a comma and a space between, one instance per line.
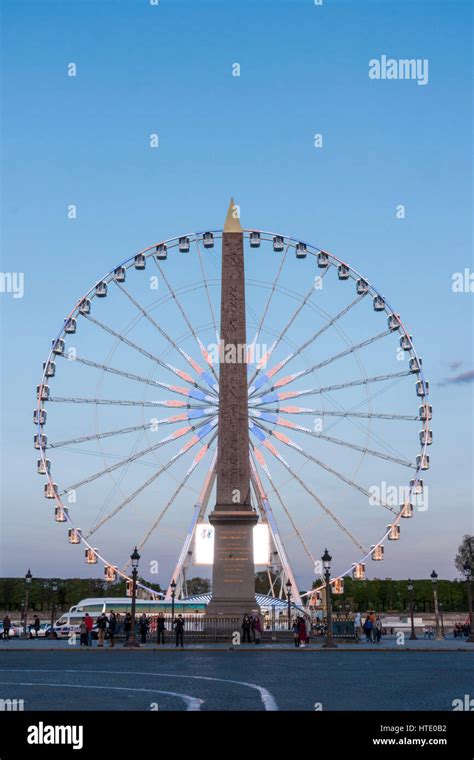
x=233, y=518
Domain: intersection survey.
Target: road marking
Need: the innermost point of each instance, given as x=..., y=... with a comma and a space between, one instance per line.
x=268, y=700
x=193, y=703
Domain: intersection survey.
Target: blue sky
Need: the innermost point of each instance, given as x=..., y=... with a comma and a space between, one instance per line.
x=167, y=69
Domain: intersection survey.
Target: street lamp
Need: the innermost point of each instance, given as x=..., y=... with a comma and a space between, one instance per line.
x=410, y=591
x=288, y=596
x=434, y=578
x=467, y=567
x=135, y=557
x=173, y=595
x=54, y=589
x=28, y=579
x=326, y=559
x=440, y=605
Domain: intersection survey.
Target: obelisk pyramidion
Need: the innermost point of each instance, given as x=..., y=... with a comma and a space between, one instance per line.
x=233, y=575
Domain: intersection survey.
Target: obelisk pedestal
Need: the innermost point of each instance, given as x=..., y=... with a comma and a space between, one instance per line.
x=233, y=575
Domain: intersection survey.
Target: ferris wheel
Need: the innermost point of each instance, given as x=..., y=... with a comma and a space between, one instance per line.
x=127, y=408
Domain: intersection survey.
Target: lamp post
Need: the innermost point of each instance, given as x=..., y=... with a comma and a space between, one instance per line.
x=326, y=559
x=54, y=589
x=288, y=596
x=28, y=579
x=135, y=557
x=468, y=573
x=440, y=605
x=173, y=595
x=410, y=591
x=434, y=578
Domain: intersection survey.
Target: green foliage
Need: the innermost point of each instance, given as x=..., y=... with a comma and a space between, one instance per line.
x=198, y=586
x=262, y=584
x=465, y=555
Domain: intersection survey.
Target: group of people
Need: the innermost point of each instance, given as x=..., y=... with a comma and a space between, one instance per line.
x=7, y=624
x=372, y=627
x=461, y=629
x=107, y=628
x=300, y=632
x=251, y=629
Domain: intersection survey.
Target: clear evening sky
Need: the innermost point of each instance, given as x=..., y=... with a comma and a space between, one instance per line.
x=167, y=69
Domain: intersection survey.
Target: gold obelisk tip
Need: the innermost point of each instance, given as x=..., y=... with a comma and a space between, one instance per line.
x=232, y=220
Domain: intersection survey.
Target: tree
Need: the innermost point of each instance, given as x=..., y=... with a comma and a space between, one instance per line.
x=262, y=584
x=465, y=555
x=198, y=586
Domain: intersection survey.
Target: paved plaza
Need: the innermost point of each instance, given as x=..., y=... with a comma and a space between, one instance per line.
x=209, y=679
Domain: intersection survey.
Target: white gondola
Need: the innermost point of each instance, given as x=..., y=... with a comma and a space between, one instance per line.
x=422, y=389
x=425, y=412
x=140, y=261
x=40, y=441
x=415, y=364
x=85, y=306
x=394, y=532
x=416, y=486
x=42, y=392
x=43, y=466
x=405, y=342
x=378, y=303
x=60, y=514
x=393, y=322
x=426, y=437
x=49, y=369
x=208, y=240
x=74, y=536
x=183, y=244
x=338, y=586
x=377, y=552
x=101, y=289
x=343, y=272
x=58, y=346
x=91, y=556
x=301, y=251
x=119, y=274
x=70, y=325
x=110, y=573
x=39, y=416
x=50, y=490
x=423, y=462
x=358, y=571
x=362, y=287
x=161, y=252
x=323, y=260
x=254, y=239
x=407, y=510
x=278, y=243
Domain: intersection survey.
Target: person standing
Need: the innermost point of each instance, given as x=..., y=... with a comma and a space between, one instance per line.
x=302, y=635
x=112, y=627
x=160, y=629
x=357, y=626
x=143, y=628
x=83, y=633
x=368, y=629
x=296, y=633
x=378, y=629
x=127, y=625
x=36, y=626
x=179, y=630
x=7, y=624
x=102, y=628
x=89, y=624
x=257, y=629
x=246, y=623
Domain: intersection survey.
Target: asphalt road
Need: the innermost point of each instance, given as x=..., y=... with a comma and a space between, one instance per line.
x=236, y=680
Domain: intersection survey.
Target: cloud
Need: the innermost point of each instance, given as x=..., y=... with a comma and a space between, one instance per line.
x=463, y=377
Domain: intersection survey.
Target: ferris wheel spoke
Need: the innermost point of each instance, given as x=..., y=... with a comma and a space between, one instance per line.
x=280, y=422
x=202, y=348
x=179, y=373
x=312, y=493
x=274, y=396
x=197, y=459
x=122, y=402
x=206, y=427
x=149, y=481
x=121, y=431
x=193, y=393
x=267, y=376
x=206, y=287
x=199, y=370
x=327, y=413
x=256, y=455
x=261, y=434
x=270, y=296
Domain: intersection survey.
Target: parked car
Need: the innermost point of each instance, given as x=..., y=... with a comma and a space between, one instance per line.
x=14, y=630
